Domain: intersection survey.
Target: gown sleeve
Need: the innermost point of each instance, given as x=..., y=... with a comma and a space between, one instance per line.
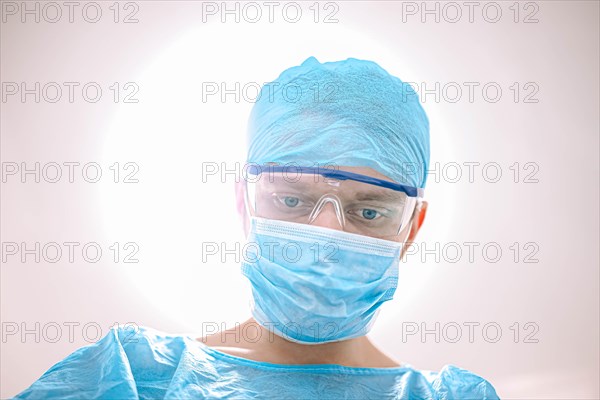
x=100, y=370
x=452, y=382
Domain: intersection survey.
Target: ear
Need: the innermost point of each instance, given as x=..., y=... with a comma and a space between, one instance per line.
x=240, y=203
x=415, y=225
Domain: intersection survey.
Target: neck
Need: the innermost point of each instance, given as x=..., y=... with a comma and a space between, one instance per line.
x=256, y=342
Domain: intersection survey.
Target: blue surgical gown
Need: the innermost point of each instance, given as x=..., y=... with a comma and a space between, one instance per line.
x=143, y=363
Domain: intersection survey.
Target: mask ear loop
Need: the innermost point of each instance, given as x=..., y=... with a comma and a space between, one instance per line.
x=328, y=198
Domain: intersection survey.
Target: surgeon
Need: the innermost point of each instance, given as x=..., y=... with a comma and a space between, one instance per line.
x=332, y=195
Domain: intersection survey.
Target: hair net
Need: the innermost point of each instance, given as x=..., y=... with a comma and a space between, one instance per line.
x=344, y=113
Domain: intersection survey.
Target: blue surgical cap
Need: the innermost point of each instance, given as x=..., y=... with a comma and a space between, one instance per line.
x=343, y=113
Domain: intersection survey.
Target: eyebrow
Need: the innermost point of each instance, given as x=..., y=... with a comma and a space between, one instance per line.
x=380, y=195
x=280, y=182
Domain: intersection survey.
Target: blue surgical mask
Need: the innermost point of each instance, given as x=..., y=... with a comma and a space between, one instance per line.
x=316, y=285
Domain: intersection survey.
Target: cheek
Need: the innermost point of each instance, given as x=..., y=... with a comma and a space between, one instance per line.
x=404, y=235
x=406, y=232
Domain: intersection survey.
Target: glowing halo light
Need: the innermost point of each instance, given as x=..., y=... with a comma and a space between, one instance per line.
x=171, y=132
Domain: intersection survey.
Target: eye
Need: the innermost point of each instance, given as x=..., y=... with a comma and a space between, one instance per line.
x=368, y=213
x=290, y=201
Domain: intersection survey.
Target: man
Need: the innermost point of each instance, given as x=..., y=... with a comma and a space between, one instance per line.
x=332, y=194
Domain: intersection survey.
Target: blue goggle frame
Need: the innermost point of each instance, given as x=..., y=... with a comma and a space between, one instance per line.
x=410, y=191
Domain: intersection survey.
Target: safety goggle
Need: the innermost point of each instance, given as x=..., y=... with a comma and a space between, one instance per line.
x=362, y=204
